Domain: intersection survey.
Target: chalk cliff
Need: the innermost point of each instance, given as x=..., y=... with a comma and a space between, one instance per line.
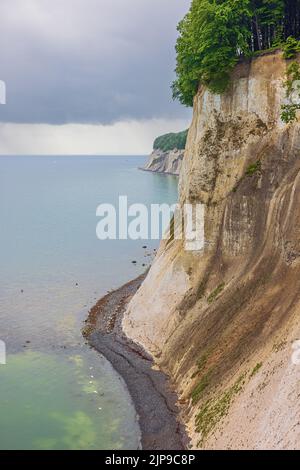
x=222, y=322
x=168, y=162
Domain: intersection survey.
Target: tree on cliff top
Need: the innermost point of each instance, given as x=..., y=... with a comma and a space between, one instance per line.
x=215, y=34
x=210, y=36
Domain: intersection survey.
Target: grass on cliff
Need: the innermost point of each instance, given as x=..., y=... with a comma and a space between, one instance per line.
x=215, y=293
x=213, y=411
x=201, y=363
x=197, y=393
x=254, y=168
x=256, y=369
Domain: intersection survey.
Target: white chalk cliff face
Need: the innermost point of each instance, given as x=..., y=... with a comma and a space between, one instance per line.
x=165, y=162
x=222, y=322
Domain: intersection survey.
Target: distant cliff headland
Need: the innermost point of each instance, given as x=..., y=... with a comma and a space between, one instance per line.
x=168, y=153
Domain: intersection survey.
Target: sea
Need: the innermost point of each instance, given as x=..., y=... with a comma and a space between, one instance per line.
x=55, y=391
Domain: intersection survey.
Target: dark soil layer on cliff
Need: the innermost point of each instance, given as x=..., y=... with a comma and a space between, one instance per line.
x=154, y=400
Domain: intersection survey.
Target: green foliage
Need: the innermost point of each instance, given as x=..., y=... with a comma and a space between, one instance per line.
x=278, y=40
x=215, y=293
x=266, y=24
x=201, y=363
x=254, y=168
x=215, y=34
x=290, y=48
x=199, y=389
x=289, y=110
x=211, y=34
x=293, y=75
x=214, y=410
x=171, y=141
x=268, y=12
x=256, y=369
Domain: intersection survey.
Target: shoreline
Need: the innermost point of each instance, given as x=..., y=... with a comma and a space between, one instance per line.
x=154, y=400
x=165, y=173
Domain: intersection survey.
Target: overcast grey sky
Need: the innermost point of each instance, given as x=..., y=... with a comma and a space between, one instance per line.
x=88, y=61
x=103, y=63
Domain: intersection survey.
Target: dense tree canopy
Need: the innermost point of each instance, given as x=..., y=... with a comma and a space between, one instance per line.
x=215, y=34
x=171, y=141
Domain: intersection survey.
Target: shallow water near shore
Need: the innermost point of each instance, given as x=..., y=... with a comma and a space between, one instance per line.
x=56, y=392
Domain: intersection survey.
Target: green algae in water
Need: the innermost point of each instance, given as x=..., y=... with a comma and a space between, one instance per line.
x=57, y=402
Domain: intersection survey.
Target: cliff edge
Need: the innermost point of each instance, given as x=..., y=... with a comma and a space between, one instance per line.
x=223, y=322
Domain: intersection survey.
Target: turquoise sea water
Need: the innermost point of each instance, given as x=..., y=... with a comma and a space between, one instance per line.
x=55, y=392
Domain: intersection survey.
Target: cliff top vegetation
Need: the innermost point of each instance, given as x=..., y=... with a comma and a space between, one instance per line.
x=216, y=34
x=171, y=141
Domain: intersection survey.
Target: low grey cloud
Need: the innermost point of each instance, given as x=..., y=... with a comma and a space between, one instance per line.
x=89, y=61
